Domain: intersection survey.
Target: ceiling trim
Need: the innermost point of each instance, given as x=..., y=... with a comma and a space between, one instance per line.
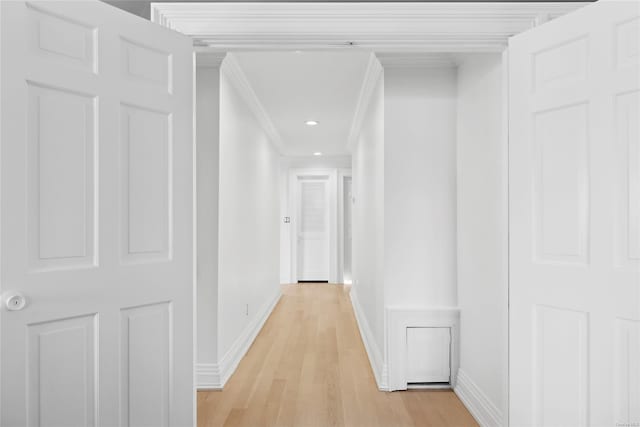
x=418, y=60
x=231, y=68
x=376, y=26
x=371, y=77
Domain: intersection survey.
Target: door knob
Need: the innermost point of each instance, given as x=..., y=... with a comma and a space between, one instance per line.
x=14, y=301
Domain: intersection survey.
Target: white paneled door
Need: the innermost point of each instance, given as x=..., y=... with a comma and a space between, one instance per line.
x=96, y=218
x=312, y=224
x=575, y=219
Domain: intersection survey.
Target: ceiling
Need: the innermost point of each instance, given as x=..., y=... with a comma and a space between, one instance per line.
x=296, y=87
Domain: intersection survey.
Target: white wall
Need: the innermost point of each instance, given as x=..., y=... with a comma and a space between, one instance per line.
x=404, y=214
x=285, y=229
x=368, y=218
x=249, y=239
x=331, y=164
x=482, y=227
x=207, y=121
x=420, y=187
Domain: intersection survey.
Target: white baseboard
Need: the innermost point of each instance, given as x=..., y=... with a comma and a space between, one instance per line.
x=230, y=361
x=212, y=376
x=378, y=366
x=208, y=376
x=482, y=409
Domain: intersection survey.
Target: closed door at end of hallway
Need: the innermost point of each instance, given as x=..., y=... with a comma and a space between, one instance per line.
x=313, y=228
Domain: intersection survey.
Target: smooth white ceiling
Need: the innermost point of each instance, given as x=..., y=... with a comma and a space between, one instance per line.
x=296, y=87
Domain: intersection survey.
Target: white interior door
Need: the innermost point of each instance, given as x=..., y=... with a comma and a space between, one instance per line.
x=575, y=219
x=347, y=224
x=96, y=228
x=312, y=224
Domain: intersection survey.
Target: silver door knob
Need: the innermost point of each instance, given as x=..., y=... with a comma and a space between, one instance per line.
x=14, y=301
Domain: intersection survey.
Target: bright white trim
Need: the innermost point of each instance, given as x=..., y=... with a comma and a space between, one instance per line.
x=231, y=68
x=505, y=221
x=401, y=318
x=418, y=60
x=342, y=175
x=371, y=77
x=194, y=237
x=375, y=26
x=208, y=376
x=376, y=360
x=477, y=402
x=230, y=361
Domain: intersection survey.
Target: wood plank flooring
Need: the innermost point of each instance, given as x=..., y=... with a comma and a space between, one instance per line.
x=308, y=367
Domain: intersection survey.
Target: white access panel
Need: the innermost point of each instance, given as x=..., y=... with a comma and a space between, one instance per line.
x=428, y=355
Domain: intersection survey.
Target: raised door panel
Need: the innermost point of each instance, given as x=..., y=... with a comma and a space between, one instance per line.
x=627, y=372
x=146, y=376
x=146, y=65
x=561, y=364
x=561, y=185
x=627, y=131
x=627, y=43
x=559, y=65
x=69, y=42
x=313, y=218
x=62, y=372
x=61, y=167
x=146, y=191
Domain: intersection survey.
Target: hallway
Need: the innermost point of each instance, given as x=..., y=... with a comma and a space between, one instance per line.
x=308, y=367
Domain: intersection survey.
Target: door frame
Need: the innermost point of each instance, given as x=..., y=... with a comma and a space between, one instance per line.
x=481, y=27
x=294, y=177
x=343, y=174
x=504, y=170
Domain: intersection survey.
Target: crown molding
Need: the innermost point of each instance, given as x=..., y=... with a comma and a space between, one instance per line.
x=417, y=60
x=375, y=26
x=232, y=69
x=371, y=77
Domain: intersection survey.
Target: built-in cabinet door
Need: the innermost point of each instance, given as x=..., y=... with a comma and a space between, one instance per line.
x=575, y=219
x=312, y=223
x=428, y=355
x=96, y=218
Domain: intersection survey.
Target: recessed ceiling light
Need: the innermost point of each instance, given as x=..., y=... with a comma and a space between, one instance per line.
x=311, y=122
x=317, y=153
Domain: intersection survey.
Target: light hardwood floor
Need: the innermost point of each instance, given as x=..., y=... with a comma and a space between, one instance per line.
x=308, y=367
